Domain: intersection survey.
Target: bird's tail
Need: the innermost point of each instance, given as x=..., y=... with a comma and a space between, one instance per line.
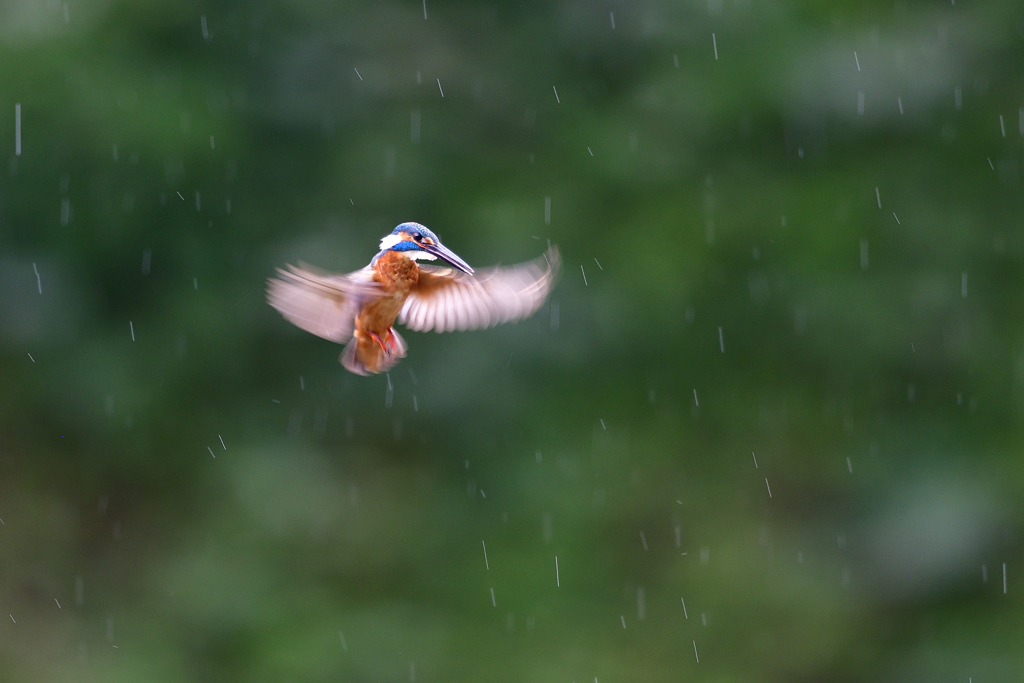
x=364, y=356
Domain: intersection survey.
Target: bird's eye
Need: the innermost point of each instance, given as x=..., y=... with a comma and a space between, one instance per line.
x=417, y=238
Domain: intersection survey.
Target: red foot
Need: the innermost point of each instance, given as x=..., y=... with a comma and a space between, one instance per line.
x=386, y=344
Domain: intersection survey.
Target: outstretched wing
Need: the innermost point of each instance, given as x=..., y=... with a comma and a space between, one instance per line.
x=446, y=300
x=325, y=304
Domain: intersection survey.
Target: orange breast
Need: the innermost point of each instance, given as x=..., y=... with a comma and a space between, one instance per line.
x=397, y=274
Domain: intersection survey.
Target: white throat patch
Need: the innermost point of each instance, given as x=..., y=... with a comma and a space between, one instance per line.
x=420, y=256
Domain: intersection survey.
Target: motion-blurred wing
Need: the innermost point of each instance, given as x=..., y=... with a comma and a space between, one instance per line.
x=322, y=303
x=445, y=299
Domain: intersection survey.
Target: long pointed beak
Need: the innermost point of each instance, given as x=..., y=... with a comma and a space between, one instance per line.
x=447, y=255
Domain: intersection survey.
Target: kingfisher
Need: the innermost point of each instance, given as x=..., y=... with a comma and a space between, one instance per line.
x=359, y=309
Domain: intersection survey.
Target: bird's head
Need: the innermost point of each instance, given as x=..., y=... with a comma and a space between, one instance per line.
x=419, y=243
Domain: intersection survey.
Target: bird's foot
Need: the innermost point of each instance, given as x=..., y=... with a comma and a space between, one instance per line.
x=385, y=344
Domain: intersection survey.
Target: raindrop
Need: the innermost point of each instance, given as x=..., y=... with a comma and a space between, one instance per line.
x=414, y=127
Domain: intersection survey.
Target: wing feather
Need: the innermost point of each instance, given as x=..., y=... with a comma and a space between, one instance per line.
x=322, y=303
x=446, y=299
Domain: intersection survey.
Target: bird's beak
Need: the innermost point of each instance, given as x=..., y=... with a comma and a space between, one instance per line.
x=447, y=255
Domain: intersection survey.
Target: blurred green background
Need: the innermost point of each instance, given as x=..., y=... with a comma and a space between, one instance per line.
x=769, y=424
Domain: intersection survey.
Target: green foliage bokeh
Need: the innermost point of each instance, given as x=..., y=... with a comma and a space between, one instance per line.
x=768, y=424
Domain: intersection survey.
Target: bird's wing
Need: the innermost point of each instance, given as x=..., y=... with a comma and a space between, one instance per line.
x=325, y=304
x=446, y=299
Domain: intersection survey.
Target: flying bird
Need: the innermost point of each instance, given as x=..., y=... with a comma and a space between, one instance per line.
x=359, y=309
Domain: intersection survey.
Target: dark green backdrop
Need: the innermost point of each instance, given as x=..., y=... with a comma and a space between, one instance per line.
x=768, y=427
